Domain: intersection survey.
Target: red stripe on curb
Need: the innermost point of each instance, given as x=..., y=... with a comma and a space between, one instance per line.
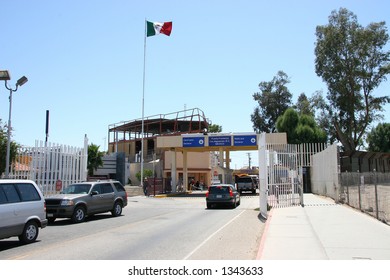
x=264, y=235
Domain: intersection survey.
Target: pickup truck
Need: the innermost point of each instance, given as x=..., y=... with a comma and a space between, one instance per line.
x=245, y=183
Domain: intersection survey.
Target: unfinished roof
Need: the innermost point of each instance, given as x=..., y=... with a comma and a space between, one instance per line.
x=186, y=121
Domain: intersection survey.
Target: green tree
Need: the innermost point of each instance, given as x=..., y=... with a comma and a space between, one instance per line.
x=379, y=138
x=273, y=99
x=3, y=148
x=300, y=128
x=147, y=174
x=94, y=158
x=304, y=105
x=215, y=128
x=352, y=62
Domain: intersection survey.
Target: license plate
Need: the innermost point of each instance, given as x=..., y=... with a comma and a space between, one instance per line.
x=219, y=195
x=49, y=215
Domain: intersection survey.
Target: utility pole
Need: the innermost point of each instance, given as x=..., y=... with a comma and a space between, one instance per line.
x=249, y=160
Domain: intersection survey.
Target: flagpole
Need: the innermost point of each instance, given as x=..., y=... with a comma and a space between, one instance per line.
x=143, y=109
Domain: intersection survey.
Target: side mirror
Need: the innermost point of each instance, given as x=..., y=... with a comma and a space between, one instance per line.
x=94, y=193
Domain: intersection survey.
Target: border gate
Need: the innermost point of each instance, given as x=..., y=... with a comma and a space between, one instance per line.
x=281, y=171
x=284, y=176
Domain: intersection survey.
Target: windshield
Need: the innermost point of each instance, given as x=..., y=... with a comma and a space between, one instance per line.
x=77, y=189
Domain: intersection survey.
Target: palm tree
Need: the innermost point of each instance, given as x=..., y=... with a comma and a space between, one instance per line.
x=94, y=158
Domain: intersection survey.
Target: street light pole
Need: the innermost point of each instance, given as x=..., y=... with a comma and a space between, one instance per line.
x=8, y=132
x=4, y=75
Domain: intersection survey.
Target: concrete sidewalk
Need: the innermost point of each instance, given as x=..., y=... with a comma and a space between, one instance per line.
x=323, y=230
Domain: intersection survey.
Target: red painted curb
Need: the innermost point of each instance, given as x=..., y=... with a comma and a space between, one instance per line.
x=264, y=235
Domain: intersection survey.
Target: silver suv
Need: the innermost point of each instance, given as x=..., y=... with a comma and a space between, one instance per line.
x=22, y=210
x=79, y=200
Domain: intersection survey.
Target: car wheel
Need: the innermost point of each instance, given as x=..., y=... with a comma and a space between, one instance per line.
x=79, y=214
x=51, y=220
x=30, y=232
x=117, y=210
x=208, y=205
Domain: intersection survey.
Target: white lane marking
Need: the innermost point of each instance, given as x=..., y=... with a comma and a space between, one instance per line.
x=211, y=236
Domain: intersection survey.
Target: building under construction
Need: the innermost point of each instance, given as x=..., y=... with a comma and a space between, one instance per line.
x=126, y=136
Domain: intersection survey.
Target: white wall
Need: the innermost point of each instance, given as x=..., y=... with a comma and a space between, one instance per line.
x=325, y=173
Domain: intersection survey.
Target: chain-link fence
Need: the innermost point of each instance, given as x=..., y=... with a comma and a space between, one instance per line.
x=368, y=192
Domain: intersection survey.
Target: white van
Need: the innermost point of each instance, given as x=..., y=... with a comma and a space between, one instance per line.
x=22, y=210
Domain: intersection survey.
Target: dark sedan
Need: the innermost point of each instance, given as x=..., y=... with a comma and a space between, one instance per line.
x=222, y=194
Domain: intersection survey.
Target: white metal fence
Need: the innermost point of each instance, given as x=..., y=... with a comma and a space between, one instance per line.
x=284, y=175
x=51, y=166
x=280, y=172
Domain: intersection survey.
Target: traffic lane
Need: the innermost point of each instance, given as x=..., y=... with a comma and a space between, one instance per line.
x=58, y=236
x=174, y=235
x=238, y=240
x=150, y=229
x=194, y=227
x=179, y=236
x=172, y=238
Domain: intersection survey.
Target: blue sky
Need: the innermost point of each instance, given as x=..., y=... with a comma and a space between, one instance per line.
x=84, y=60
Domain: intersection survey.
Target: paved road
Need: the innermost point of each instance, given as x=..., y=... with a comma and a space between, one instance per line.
x=151, y=228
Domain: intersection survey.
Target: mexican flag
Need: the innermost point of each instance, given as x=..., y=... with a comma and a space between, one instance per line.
x=155, y=28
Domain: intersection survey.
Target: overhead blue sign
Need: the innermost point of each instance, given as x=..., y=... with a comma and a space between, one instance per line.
x=245, y=140
x=193, y=141
x=220, y=140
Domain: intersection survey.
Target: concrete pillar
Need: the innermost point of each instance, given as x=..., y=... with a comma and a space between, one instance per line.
x=263, y=175
x=221, y=157
x=185, y=170
x=173, y=170
x=227, y=159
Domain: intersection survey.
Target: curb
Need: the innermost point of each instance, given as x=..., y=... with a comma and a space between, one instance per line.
x=264, y=235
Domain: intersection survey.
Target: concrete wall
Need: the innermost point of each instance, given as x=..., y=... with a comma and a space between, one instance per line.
x=325, y=173
x=115, y=166
x=134, y=168
x=195, y=160
x=169, y=141
x=109, y=166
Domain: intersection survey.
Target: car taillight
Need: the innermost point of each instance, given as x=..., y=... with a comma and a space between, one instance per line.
x=207, y=194
x=230, y=192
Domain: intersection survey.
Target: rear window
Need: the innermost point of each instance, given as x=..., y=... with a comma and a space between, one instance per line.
x=28, y=192
x=244, y=180
x=119, y=187
x=219, y=189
